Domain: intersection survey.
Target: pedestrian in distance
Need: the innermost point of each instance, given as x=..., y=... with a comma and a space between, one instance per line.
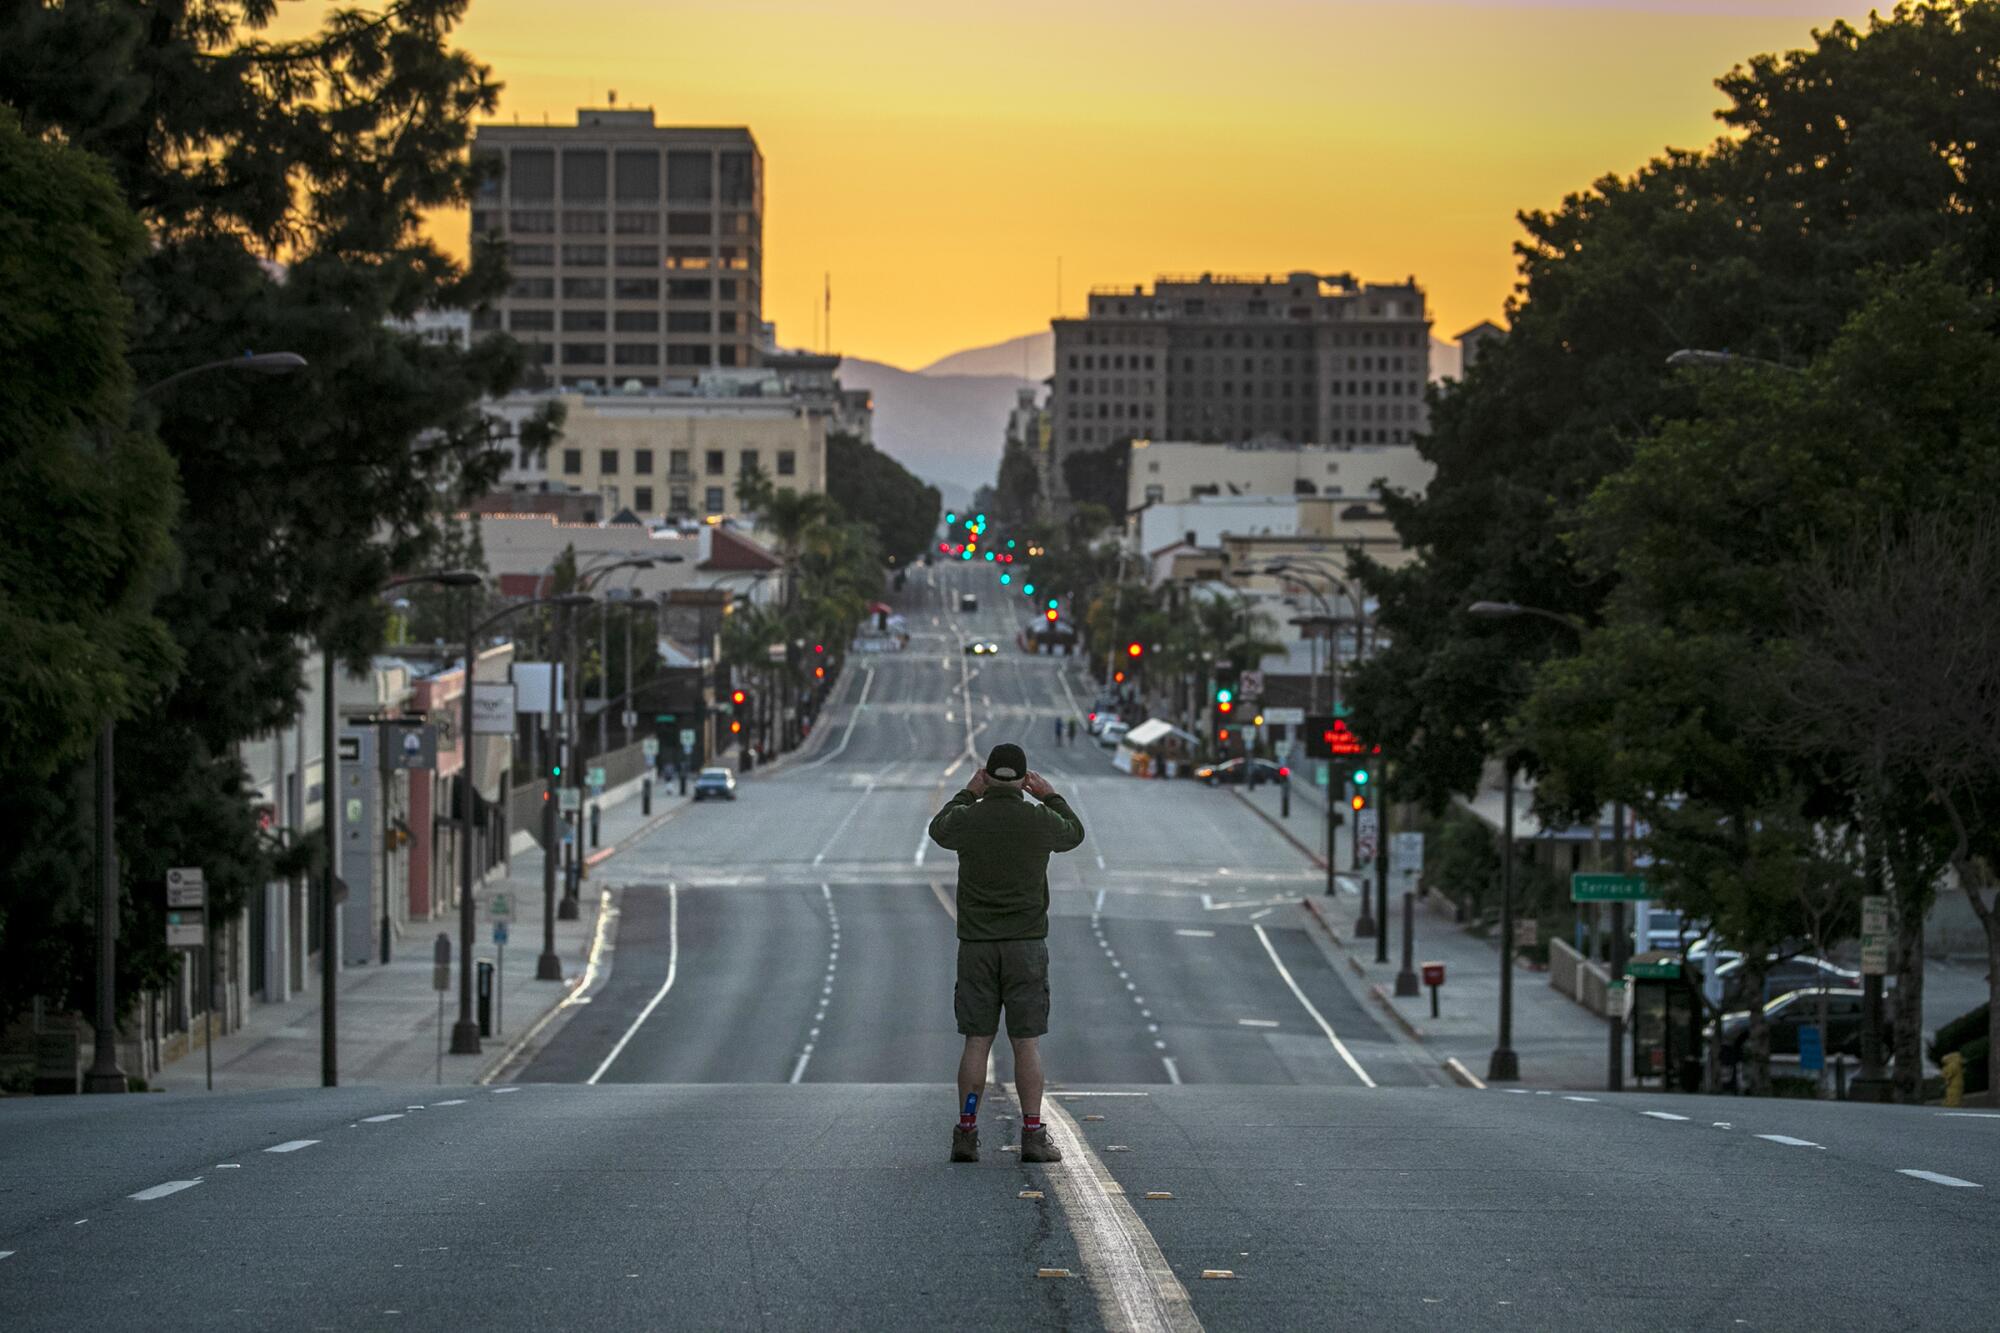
x=1059, y=731
x=1072, y=731
x=1003, y=845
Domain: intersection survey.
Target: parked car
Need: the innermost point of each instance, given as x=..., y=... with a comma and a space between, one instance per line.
x=1112, y=732
x=981, y=648
x=968, y=601
x=1795, y=1009
x=1238, y=771
x=1663, y=929
x=717, y=782
x=1098, y=717
x=1784, y=974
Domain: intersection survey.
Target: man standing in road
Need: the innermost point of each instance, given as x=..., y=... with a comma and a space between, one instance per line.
x=1003, y=845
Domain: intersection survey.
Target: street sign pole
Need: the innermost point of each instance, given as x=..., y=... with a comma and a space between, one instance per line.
x=1615, y=1075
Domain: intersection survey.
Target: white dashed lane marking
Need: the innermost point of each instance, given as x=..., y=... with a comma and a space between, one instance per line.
x=1579, y=1099
x=1257, y=1022
x=1663, y=1115
x=378, y=1119
x=1791, y=1142
x=291, y=1145
x=1936, y=1179
x=162, y=1191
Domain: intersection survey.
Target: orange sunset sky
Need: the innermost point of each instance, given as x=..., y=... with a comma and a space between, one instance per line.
x=939, y=158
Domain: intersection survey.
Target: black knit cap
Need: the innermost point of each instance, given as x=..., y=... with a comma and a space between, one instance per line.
x=1007, y=763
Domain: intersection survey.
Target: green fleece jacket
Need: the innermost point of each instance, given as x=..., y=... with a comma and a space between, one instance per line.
x=1003, y=845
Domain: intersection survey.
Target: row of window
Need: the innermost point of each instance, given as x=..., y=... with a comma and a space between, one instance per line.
x=713, y=498
x=593, y=354
x=528, y=288
x=679, y=462
x=1227, y=389
x=598, y=320
x=632, y=256
x=591, y=175
x=1271, y=365
x=1098, y=436
x=1271, y=341
x=625, y=222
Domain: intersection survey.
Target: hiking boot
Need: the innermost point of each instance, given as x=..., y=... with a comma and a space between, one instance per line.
x=964, y=1144
x=1037, y=1146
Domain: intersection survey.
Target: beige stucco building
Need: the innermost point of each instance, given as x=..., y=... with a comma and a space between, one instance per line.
x=1181, y=472
x=680, y=456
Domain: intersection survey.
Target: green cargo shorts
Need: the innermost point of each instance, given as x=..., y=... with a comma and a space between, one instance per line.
x=1002, y=974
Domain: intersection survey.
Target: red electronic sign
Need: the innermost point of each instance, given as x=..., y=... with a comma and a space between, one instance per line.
x=1434, y=974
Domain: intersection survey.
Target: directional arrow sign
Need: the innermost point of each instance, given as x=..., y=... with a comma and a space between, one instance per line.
x=1586, y=887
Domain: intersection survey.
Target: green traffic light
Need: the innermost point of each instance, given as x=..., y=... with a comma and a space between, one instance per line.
x=1028, y=591
x=1010, y=543
x=1225, y=695
x=1360, y=777
x=1052, y=604
x=1006, y=578
x=951, y=518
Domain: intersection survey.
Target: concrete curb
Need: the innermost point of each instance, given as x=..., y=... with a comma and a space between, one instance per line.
x=1465, y=1077
x=1283, y=832
x=1383, y=998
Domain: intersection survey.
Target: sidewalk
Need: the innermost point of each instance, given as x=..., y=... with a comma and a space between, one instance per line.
x=388, y=1015
x=1559, y=1043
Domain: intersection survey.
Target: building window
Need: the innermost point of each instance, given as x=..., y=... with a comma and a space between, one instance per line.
x=635, y=354
x=677, y=500
x=725, y=356
x=607, y=462
x=642, y=498
x=580, y=289
x=531, y=174
x=636, y=321
x=690, y=177
x=712, y=499
x=590, y=256
x=746, y=463
x=636, y=289
x=642, y=462
x=689, y=289
x=688, y=321
x=583, y=224
x=522, y=222
x=788, y=463
x=636, y=224
x=687, y=356
x=610, y=494
x=687, y=256
x=677, y=463
x=638, y=175
x=690, y=224
x=584, y=174
x=637, y=256
x=531, y=256
x=739, y=180
x=572, y=462
x=712, y=462
x=725, y=322
x=583, y=321
x=531, y=321
x=583, y=354
x=532, y=289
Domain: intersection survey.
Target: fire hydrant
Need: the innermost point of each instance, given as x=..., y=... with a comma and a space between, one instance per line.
x=1954, y=1079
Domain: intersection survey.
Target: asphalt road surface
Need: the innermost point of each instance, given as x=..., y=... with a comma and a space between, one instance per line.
x=746, y=1124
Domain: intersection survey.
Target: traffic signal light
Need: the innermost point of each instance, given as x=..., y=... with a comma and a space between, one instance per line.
x=1028, y=591
x=1358, y=801
x=951, y=519
x=1006, y=579
x=1117, y=678
x=819, y=673
x=1224, y=705
x=1360, y=777
x=1134, y=650
x=734, y=726
x=1223, y=694
x=1223, y=735
x=1051, y=615
x=738, y=698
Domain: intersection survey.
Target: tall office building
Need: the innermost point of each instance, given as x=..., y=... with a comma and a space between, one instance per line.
x=636, y=250
x=1296, y=359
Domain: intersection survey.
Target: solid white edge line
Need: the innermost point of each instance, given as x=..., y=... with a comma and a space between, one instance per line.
x=162, y=1191
x=292, y=1145
x=1135, y=1286
x=673, y=968
x=1937, y=1179
x=1173, y=1070
x=1317, y=1017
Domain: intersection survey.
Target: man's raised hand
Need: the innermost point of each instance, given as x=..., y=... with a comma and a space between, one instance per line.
x=977, y=784
x=1038, y=786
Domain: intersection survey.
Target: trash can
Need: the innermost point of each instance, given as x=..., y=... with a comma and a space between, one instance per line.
x=483, y=983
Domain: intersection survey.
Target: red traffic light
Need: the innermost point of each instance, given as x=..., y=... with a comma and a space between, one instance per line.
x=1050, y=614
x=1225, y=707
x=819, y=647
x=1117, y=678
x=734, y=726
x=819, y=673
x=1223, y=735
x=1134, y=649
x=738, y=697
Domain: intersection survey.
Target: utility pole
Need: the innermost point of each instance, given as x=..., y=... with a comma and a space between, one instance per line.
x=549, y=966
x=329, y=805
x=1615, y=1079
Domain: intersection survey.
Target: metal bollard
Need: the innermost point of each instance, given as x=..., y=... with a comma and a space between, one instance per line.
x=646, y=797
x=485, y=989
x=596, y=814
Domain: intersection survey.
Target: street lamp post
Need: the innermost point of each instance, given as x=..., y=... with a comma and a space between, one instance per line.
x=105, y=1074
x=1505, y=1065
x=1615, y=1076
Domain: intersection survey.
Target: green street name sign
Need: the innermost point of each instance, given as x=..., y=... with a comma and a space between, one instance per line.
x=1600, y=888
x=1653, y=971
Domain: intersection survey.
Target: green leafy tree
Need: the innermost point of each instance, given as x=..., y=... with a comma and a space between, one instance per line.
x=1097, y=476
x=900, y=509
x=281, y=183
x=87, y=501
